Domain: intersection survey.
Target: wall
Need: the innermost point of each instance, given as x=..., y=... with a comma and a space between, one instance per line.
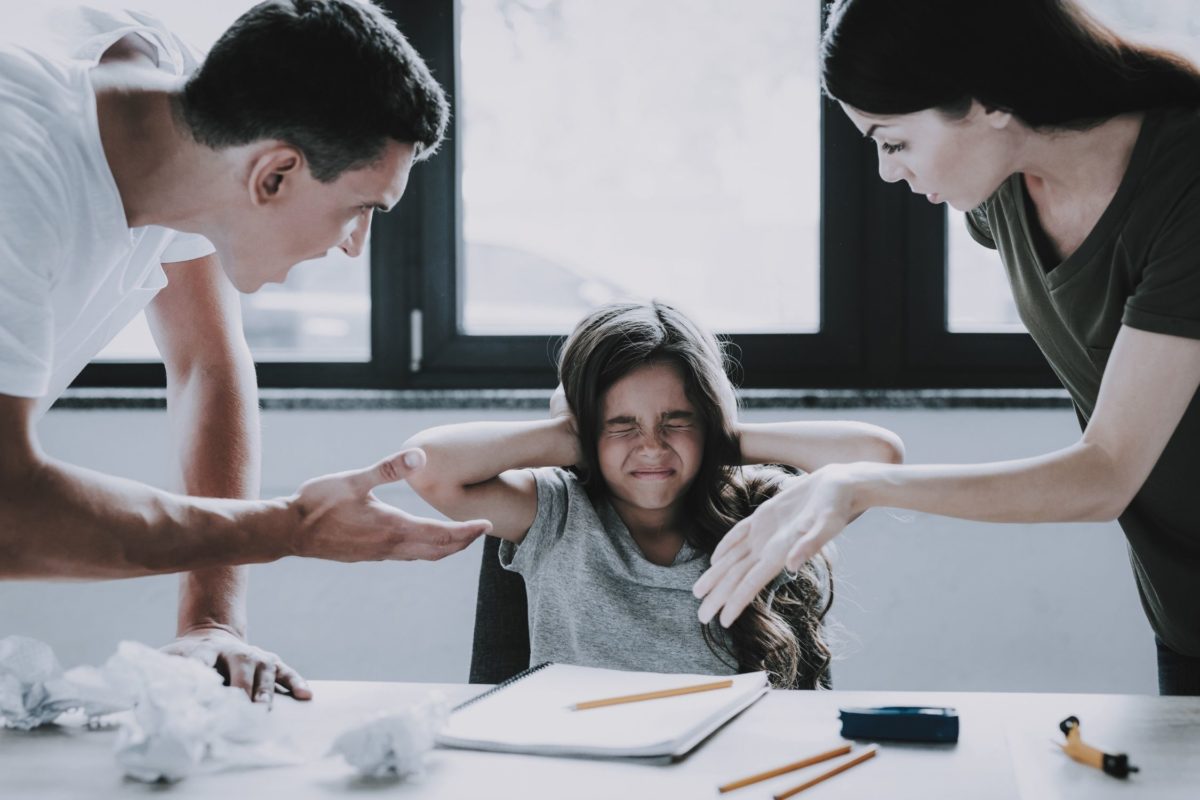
x=922, y=602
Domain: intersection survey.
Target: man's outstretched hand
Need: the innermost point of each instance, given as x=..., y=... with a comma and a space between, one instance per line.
x=341, y=519
x=257, y=672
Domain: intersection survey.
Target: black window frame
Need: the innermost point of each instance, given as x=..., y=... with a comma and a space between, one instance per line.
x=883, y=285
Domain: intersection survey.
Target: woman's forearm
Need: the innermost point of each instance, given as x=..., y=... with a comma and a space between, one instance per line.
x=474, y=452
x=1080, y=483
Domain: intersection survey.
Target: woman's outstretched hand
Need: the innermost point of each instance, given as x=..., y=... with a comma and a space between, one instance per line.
x=783, y=532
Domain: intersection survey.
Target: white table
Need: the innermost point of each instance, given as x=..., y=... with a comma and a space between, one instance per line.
x=1004, y=751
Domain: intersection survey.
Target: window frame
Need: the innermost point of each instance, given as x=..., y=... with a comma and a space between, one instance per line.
x=883, y=285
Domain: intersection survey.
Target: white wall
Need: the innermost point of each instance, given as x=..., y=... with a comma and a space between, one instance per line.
x=930, y=603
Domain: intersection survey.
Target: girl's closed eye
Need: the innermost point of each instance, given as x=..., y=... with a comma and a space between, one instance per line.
x=890, y=148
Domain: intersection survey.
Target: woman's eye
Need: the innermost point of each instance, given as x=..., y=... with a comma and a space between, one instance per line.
x=891, y=148
x=621, y=431
x=680, y=427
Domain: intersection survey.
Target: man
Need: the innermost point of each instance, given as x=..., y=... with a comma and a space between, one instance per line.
x=123, y=166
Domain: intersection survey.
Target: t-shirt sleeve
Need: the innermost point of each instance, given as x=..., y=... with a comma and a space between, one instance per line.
x=30, y=248
x=185, y=247
x=979, y=227
x=553, y=505
x=1166, y=298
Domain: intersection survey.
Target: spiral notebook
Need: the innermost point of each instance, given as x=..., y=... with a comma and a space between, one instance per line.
x=531, y=713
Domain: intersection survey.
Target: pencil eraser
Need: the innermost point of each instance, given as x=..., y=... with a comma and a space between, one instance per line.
x=900, y=723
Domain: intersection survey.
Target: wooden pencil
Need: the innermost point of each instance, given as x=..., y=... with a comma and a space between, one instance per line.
x=824, y=776
x=635, y=698
x=786, y=768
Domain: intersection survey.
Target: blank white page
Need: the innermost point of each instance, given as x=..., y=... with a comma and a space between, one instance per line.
x=534, y=713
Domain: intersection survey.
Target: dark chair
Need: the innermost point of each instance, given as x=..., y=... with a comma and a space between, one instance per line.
x=501, y=645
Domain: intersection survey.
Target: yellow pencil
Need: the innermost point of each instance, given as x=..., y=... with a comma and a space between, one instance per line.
x=824, y=776
x=786, y=768
x=635, y=698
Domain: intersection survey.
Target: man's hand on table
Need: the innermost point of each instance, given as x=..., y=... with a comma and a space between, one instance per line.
x=256, y=671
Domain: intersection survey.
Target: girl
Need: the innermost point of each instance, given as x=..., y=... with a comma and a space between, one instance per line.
x=1074, y=153
x=610, y=547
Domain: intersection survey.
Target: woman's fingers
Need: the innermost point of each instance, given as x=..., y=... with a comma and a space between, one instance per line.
x=729, y=578
x=737, y=534
x=760, y=573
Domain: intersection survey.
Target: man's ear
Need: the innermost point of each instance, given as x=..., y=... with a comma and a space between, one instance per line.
x=273, y=172
x=996, y=117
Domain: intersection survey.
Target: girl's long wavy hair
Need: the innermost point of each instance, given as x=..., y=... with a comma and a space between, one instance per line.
x=782, y=631
x=1045, y=61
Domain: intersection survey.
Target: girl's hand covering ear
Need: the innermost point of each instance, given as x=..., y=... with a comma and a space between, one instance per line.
x=559, y=407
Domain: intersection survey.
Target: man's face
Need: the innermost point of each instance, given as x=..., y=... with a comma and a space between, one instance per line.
x=959, y=162
x=293, y=217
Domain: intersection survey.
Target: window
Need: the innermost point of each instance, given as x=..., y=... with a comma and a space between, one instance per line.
x=603, y=160
x=676, y=149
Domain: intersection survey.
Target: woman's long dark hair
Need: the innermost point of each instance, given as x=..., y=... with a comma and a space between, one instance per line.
x=1046, y=61
x=782, y=630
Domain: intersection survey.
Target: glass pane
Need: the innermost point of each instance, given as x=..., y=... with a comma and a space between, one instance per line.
x=979, y=299
x=323, y=311
x=630, y=149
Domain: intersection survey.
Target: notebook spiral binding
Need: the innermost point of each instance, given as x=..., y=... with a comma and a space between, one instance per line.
x=523, y=674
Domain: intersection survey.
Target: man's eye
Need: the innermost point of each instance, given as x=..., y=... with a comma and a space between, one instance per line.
x=891, y=148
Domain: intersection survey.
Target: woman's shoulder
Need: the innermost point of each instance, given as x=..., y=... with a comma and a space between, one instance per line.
x=1173, y=154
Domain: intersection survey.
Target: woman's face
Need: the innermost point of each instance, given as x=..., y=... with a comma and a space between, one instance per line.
x=651, y=438
x=956, y=161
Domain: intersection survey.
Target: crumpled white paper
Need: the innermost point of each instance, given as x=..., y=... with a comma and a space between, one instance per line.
x=34, y=690
x=184, y=718
x=395, y=744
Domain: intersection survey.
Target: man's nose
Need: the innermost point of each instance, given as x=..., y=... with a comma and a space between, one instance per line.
x=354, y=243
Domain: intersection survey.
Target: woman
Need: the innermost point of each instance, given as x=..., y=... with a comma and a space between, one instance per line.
x=1075, y=154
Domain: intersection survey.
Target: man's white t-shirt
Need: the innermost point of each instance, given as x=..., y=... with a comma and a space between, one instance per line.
x=72, y=271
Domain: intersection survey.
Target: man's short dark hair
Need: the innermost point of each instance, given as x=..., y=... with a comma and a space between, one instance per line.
x=334, y=78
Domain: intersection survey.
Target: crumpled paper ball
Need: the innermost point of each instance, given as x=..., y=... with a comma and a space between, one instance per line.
x=184, y=717
x=395, y=744
x=34, y=691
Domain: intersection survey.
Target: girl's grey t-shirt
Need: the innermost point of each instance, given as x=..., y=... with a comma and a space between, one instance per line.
x=595, y=600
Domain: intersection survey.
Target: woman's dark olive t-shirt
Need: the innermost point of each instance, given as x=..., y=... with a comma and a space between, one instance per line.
x=1140, y=266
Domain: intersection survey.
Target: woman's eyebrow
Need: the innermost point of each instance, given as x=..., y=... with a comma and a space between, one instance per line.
x=678, y=414
x=622, y=420
x=871, y=130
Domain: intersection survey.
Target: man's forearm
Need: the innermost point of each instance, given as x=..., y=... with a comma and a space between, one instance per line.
x=62, y=521
x=216, y=429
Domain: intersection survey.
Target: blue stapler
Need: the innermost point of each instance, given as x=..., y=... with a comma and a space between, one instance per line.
x=900, y=723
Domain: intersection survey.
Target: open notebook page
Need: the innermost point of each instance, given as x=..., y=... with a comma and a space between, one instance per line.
x=534, y=715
